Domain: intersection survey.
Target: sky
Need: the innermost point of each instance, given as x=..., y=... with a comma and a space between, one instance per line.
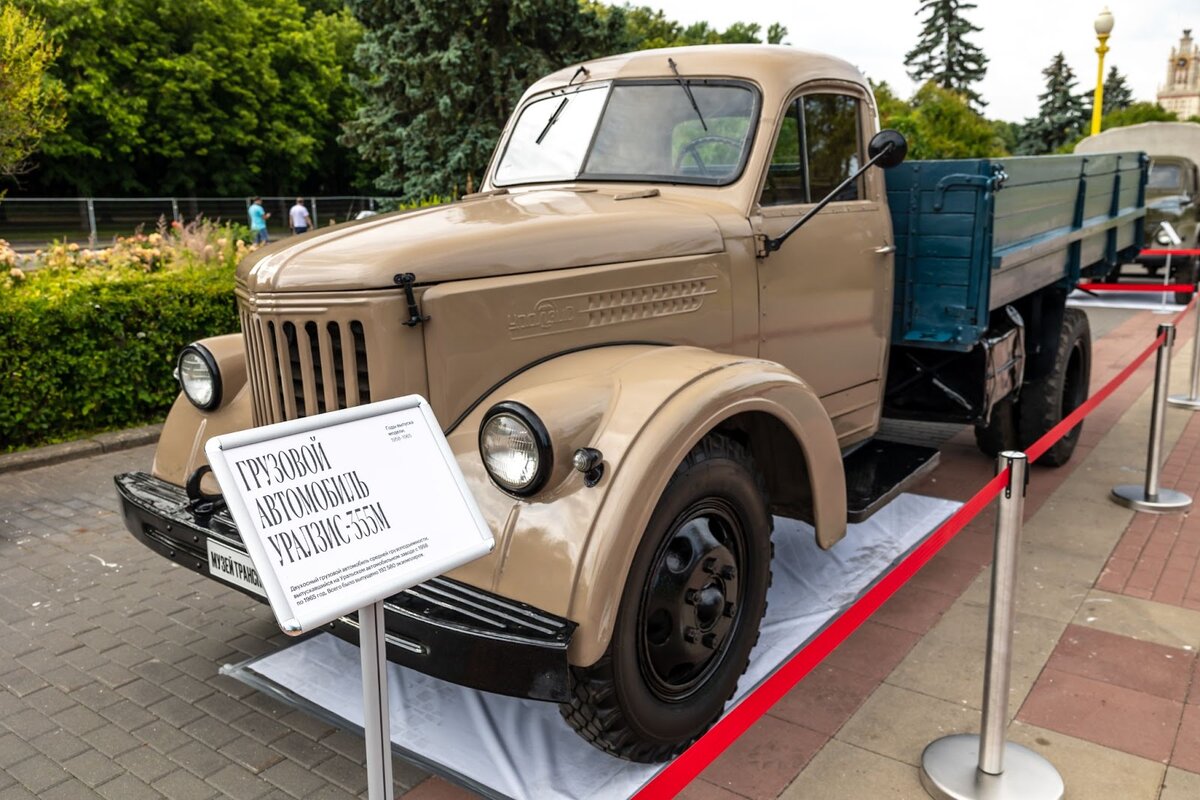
x=1019, y=36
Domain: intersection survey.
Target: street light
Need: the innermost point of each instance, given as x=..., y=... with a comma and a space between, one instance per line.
x=1104, y=26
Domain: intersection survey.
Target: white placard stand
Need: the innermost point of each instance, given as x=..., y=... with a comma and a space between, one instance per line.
x=341, y=510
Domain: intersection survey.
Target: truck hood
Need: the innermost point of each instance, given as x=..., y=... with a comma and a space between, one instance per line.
x=501, y=234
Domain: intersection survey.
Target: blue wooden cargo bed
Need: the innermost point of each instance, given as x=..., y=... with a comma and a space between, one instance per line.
x=974, y=235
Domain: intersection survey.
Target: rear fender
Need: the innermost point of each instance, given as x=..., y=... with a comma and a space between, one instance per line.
x=568, y=549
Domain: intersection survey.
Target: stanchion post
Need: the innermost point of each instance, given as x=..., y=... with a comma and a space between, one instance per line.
x=376, y=710
x=1167, y=280
x=1151, y=497
x=1191, y=400
x=986, y=767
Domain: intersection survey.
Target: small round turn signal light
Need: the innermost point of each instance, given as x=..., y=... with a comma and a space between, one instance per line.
x=590, y=462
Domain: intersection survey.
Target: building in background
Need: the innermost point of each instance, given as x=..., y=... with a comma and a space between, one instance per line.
x=1181, y=92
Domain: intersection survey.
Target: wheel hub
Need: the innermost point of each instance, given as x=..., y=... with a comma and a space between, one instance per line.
x=691, y=603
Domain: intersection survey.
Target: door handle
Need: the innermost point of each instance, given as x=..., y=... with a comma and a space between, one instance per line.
x=885, y=249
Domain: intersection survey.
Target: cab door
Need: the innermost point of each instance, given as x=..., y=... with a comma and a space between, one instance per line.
x=825, y=297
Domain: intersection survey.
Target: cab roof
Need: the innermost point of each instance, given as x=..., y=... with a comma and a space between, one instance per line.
x=776, y=68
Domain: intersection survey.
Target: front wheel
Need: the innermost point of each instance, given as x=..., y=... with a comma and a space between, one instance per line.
x=689, y=614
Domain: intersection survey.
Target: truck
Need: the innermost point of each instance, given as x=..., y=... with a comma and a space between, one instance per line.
x=692, y=284
x=1172, y=192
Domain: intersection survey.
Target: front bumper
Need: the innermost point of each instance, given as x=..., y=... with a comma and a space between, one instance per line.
x=442, y=627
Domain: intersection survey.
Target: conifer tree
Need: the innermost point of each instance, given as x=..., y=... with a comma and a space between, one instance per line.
x=1061, y=112
x=445, y=75
x=943, y=54
x=1117, y=94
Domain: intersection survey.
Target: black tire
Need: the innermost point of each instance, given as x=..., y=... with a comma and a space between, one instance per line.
x=1000, y=433
x=644, y=700
x=1044, y=402
x=1188, y=273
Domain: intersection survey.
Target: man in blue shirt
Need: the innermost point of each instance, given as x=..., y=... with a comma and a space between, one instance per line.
x=258, y=221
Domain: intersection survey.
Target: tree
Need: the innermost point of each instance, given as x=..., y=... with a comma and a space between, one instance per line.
x=1134, y=114
x=443, y=77
x=1061, y=112
x=1137, y=113
x=30, y=104
x=939, y=123
x=1117, y=94
x=647, y=28
x=943, y=54
x=181, y=96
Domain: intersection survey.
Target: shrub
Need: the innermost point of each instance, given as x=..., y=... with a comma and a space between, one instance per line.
x=88, y=337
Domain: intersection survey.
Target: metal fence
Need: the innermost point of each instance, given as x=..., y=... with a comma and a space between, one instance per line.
x=28, y=223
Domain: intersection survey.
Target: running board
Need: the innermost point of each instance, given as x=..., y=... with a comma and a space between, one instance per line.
x=880, y=470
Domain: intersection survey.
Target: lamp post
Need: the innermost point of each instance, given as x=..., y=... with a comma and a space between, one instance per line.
x=1104, y=26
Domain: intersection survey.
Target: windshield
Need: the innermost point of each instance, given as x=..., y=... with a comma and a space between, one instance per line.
x=633, y=131
x=1165, y=176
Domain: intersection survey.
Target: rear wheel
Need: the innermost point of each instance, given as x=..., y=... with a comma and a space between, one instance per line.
x=689, y=614
x=1047, y=400
x=1189, y=273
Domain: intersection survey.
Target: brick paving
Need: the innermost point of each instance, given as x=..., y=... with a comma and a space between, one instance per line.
x=1158, y=558
x=109, y=660
x=1115, y=691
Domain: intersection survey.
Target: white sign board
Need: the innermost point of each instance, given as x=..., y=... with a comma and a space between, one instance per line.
x=341, y=510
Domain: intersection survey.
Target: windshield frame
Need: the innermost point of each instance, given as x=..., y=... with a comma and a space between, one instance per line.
x=674, y=180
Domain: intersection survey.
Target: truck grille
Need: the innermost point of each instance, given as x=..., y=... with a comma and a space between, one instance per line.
x=300, y=367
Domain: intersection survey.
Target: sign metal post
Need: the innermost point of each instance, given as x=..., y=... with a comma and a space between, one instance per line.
x=377, y=728
x=339, y=511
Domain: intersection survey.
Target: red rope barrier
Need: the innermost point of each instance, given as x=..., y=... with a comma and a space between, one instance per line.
x=683, y=770
x=1135, y=287
x=1048, y=440
x=680, y=772
x=1191, y=252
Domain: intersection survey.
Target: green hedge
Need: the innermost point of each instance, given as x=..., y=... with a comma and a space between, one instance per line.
x=82, y=352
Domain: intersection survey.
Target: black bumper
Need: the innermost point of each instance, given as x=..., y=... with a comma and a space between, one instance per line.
x=442, y=627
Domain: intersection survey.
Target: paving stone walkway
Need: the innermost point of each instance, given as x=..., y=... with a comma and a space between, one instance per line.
x=109, y=655
x=109, y=659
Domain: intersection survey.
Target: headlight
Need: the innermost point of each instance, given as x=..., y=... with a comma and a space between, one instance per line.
x=198, y=376
x=1162, y=238
x=515, y=448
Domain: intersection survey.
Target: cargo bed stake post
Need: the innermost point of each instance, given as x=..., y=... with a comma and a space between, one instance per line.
x=1191, y=400
x=376, y=711
x=1151, y=497
x=986, y=767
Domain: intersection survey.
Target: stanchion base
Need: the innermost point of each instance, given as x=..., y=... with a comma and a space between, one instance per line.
x=1167, y=501
x=1183, y=401
x=950, y=771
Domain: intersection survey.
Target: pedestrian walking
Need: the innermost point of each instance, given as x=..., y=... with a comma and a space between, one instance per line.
x=258, y=221
x=301, y=222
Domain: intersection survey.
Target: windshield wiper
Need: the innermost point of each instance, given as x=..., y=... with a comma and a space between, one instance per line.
x=688, y=90
x=550, y=122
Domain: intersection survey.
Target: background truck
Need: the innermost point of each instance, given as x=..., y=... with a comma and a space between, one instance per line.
x=1172, y=191
x=680, y=305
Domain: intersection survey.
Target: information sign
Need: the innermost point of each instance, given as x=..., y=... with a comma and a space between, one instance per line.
x=343, y=509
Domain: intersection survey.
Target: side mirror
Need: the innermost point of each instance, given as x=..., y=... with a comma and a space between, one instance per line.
x=889, y=146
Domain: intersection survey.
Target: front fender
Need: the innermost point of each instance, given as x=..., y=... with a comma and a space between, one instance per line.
x=181, y=446
x=568, y=549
